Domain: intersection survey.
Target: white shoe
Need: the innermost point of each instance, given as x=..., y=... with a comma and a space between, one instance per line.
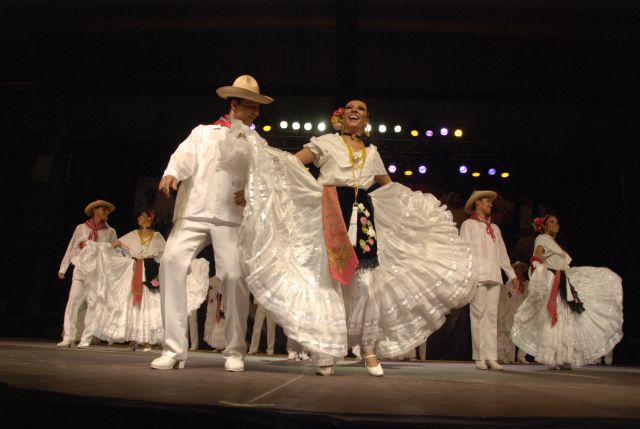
x=480, y=364
x=65, y=343
x=110, y=342
x=146, y=347
x=84, y=345
x=292, y=356
x=193, y=347
x=234, y=364
x=494, y=365
x=304, y=356
x=376, y=371
x=167, y=362
x=325, y=370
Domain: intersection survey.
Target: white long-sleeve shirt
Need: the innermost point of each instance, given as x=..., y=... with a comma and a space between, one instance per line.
x=206, y=190
x=81, y=234
x=488, y=256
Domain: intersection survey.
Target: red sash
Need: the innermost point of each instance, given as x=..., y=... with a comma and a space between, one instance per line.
x=341, y=256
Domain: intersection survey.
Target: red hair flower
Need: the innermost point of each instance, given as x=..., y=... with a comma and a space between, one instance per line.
x=538, y=224
x=336, y=119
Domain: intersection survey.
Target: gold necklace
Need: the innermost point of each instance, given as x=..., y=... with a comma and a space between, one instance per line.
x=146, y=241
x=355, y=163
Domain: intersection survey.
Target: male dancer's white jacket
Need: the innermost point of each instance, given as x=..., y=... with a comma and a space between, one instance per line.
x=204, y=213
x=489, y=257
x=77, y=293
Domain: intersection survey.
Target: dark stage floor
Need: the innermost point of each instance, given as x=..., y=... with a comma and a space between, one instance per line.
x=105, y=386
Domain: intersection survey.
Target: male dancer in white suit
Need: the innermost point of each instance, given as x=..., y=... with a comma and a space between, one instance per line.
x=489, y=256
x=208, y=210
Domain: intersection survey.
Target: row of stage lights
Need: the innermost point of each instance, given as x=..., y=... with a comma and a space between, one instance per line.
x=382, y=129
x=463, y=169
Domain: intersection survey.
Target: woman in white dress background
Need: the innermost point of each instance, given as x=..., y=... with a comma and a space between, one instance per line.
x=572, y=315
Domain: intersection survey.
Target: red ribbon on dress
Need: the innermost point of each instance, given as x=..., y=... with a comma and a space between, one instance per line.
x=553, y=296
x=136, y=283
x=93, y=228
x=341, y=256
x=487, y=222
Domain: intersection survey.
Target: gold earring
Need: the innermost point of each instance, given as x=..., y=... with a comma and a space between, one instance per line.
x=367, y=132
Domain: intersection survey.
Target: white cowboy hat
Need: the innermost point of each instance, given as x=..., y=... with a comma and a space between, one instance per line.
x=476, y=195
x=99, y=203
x=517, y=263
x=245, y=87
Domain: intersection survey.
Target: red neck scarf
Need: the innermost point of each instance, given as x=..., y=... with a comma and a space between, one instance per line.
x=225, y=121
x=93, y=234
x=487, y=222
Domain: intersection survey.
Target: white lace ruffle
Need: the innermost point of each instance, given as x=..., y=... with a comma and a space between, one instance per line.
x=425, y=268
x=578, y=339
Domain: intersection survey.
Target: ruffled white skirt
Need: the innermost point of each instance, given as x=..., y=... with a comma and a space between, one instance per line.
x=109, y=276
x=424, y=271
x=576, y=339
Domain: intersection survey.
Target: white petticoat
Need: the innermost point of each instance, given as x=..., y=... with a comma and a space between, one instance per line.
x=425, y=267
x=109, y=275
x=578, y=339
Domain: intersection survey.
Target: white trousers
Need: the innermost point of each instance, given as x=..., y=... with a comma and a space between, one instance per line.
x=187, y=239
x=77, y=296
x=483, y=312
x=193, y=329
x=261, y=314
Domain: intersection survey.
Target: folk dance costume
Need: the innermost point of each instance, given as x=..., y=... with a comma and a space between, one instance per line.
x=214, y=323
x=137, y=318
x=489, y=256
x=572, y=315
x=84, y=233
x=127, y=311
x=411, y=266
x=259, y=319
x=509, y=302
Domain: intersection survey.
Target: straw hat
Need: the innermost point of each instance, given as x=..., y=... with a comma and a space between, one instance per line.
x=99, y=203
x=245, y=87
x=520, y=263
x=476, y=195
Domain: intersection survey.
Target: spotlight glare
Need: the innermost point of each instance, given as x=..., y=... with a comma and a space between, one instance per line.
x=295, y=125
x=322, y=126
x=463, y=169
x=476, y=174
x=444, y=131
x=458, y=133
x=382, y=128
x=284, y=125
x=414, y=133
x=397, y=128
x=429, y=133
x=422, y=169
x=308, y=126
x=392, y=168
x=408, y=173
x=504, y=175
x=492, y=172
x=266, y=128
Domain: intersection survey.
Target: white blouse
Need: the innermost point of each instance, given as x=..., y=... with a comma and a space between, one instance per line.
x=132, y=246
x=553, y=257
x=332, y=158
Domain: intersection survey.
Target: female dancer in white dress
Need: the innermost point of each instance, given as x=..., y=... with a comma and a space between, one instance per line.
x=141, y=320
x=127, y=286
x=331, y=274
x=572, y=315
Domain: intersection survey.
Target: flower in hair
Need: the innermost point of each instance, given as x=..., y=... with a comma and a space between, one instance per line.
x=336, y=119
x=538, y=224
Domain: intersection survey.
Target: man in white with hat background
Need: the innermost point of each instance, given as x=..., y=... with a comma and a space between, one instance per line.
x=95, y=229
x=208, y=209
x=489, y=256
